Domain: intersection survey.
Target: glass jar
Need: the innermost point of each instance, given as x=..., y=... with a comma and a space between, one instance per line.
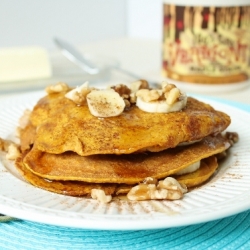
x=207, y=43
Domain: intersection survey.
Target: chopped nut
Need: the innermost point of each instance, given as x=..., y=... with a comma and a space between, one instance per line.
x=122, y=190
x=57, y=88
x=127, y=103
x=137, y=85
x=233, y=137
x=172, y=184
x=10, y=148
x=173, y=96
x=100, y=195
x=166, y=87
x=149, y=95
x=169, y=189
x=78, y=95
x=221, y=155
x=150, y=180
x=4, y=144
x=12, y=152
x=132, y=98
x=122, y=90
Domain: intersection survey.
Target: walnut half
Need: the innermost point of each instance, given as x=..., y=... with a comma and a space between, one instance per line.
x=167, y=189
x=12, y=149
x=100, y=195
x=57, y=88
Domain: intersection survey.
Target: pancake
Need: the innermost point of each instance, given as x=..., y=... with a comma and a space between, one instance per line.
x=128, y=169
x=79, y=188
x=27, y=137
x=64, y=126
x=67, y=148
x=71, y=188
x=198, y=177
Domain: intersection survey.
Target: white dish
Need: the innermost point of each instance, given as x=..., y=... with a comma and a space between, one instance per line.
x=226, y=194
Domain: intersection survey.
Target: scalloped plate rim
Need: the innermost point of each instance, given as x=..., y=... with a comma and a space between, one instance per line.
x=151, y=220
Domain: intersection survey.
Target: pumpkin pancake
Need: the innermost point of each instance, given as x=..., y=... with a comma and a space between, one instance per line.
x=128, y=169
x=27, y=137
x=71, y=188
x=79, y=188
x=206, y=170
x=64, y=126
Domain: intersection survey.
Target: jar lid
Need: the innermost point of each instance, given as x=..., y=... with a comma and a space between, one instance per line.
x=217, y=3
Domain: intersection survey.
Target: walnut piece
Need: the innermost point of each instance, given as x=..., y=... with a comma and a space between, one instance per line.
x=233, y=137
x=149, y=95
x=167, y=189
x=150, y=180
x=172, y=96
x=11, y=148
x=137, y=85
x=4, y=144
x=166, y=87
x=100, y=195
x=114, y=100
x=168, y=92
x=57, y=88
x=79, y=94
x=13, y=152
x=123, y=90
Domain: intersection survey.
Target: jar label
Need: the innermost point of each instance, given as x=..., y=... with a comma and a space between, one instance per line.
x=206, y=44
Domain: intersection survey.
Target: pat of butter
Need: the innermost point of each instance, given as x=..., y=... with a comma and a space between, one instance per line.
x=24, y=63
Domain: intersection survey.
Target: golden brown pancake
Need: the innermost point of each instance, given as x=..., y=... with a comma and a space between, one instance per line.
x=64, y=126
x=129, y=169
x=27, y=137
x=67, y=150
x=206, y=170
x=79, y=188
x=71, y=188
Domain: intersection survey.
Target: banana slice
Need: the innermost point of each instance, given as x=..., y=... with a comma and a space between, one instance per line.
x=160, y=106
x=105, y=103
x=190, y=169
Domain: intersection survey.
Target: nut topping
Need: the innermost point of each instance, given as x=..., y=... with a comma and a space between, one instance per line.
x=11, y=148
x=148, y=95
x=137, y=85
x=123, y=90
x=57, y=88
x=100, y=195
x=172, y=96
x=13, y=152
x=78, y=95
x=113, y=101
x=165, y=100
x=233, y=137
x=169, y=189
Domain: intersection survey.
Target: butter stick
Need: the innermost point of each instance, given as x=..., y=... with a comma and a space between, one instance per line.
x=24, y=63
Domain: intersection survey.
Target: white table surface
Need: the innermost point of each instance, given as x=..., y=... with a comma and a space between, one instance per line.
x=141, y=56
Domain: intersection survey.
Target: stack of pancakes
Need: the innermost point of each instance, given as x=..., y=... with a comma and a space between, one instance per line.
x=67, y=150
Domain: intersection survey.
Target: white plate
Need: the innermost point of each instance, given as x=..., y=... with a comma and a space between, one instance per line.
x=226, y=194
